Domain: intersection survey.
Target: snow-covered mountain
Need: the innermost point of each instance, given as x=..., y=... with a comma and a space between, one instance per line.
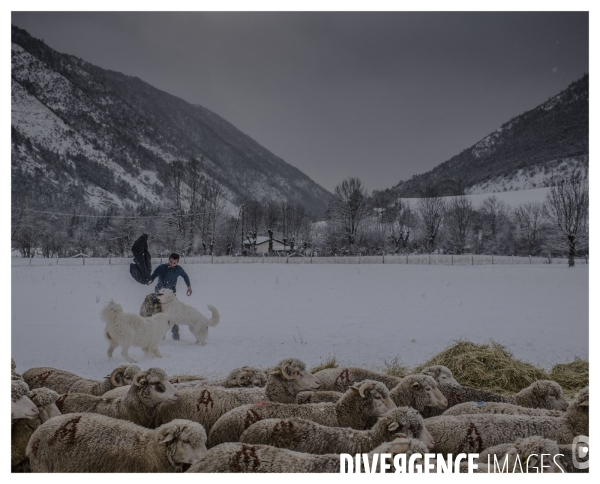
x=83, y=135
x=523, y=153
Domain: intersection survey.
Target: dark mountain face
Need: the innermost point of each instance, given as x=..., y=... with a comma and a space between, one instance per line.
x=89, y=135
x=557, y=129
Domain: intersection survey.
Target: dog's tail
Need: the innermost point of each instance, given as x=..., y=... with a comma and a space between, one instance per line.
x=215, y=316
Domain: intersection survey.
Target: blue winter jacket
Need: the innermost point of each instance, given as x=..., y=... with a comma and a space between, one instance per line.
x=167, y=277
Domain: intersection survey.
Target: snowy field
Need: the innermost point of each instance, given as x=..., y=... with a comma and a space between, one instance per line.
x=363, y=314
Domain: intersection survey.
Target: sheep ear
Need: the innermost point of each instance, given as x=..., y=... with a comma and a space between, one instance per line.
x=355, y=388
x=585, y=403
x=167, y=439
x=532, y=461
x=400, y=435
x=393, y=426
x=276, y=371
x=415, y=384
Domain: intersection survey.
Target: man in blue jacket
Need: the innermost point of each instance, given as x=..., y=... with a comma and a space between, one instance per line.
x=167, y=278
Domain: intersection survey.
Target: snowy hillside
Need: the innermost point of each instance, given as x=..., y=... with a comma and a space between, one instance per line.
x=89, y=136
x=362, y=314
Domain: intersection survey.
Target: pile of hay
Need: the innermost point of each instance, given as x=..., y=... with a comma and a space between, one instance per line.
x=571, y=376
x=488, y=366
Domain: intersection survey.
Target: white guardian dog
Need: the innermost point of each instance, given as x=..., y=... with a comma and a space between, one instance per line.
x=187, y=315
x=129, y=329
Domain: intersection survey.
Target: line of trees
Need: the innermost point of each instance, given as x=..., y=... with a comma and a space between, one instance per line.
x=381, y=222
x=193, y=220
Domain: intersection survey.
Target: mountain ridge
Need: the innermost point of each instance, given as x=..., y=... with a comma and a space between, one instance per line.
x=134, y=130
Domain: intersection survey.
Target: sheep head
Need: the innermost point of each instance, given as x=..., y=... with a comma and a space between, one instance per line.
x=45, y=401
x=440, y=373
x=21, y=405
x=578, y=413
x=185, y=441
x=423, y=389
x=377, y=393
x=409, y=423
x=294, y=370
x=546, y=394
x=246, y=377
x=155, y=386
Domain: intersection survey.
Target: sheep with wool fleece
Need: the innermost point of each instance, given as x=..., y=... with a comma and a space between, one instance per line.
x=474, y=433
x=62, y=381
x=236, y=457
x=359, y=409
x=149, y=389
x=87, y=442
x=310, y=437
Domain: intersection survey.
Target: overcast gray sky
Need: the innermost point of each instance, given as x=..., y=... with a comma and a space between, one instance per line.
x=381, y=96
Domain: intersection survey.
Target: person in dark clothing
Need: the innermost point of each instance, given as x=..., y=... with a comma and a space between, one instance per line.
x=167, y=278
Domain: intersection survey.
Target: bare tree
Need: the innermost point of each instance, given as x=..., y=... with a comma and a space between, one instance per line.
x=459, y=218
x=529, y=219
x=399, y=219
x=568, y=206
x=494, y=214
x=349, y=207
x=431, y=210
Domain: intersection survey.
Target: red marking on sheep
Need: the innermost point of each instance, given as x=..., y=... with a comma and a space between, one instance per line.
x=42, y=377
x=343, y=378
x=60, y=401
x=282, y=427
x=245, y=458
x=251, y=417
x=472, y=443
x=66, y=430
x=205, y=399
x=34, y=448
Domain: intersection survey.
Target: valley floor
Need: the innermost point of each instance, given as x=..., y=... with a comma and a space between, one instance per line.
x=363, y=314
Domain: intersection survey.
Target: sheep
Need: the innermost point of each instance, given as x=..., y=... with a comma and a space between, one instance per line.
x=524, y=455
x=246, y=376
x=182, y=313
x=22, y=430
x=86, y=442
x=469, y=408
x=341, y=379
x=540, y=394
x=310, y=437
x=207, y=404
x=21, y=405
x=129, y=329
x=358, y=408
x=473, y=433
x=319, y=396
x=150, y=306
x=241, y=458
x=66, y=382
x=440, y=373
x=420, y=392
x=149, y=388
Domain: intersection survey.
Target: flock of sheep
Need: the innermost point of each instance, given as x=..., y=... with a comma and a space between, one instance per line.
x=284, y=419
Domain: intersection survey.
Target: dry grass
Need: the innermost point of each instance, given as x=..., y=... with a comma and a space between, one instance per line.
x=394, y=367
x=329, y=362
x=488, y=366
x=571, y=376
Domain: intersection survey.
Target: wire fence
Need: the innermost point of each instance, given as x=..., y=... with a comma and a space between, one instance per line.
x=420, y=259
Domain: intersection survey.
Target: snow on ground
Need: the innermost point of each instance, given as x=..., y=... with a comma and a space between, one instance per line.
x=364, y=314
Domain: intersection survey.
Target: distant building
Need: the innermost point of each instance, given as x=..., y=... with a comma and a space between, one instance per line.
x=262, y=245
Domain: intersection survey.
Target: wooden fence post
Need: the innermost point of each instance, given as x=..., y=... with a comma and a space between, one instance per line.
x=452, y=259
x=472, y=263
x=530, y=258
